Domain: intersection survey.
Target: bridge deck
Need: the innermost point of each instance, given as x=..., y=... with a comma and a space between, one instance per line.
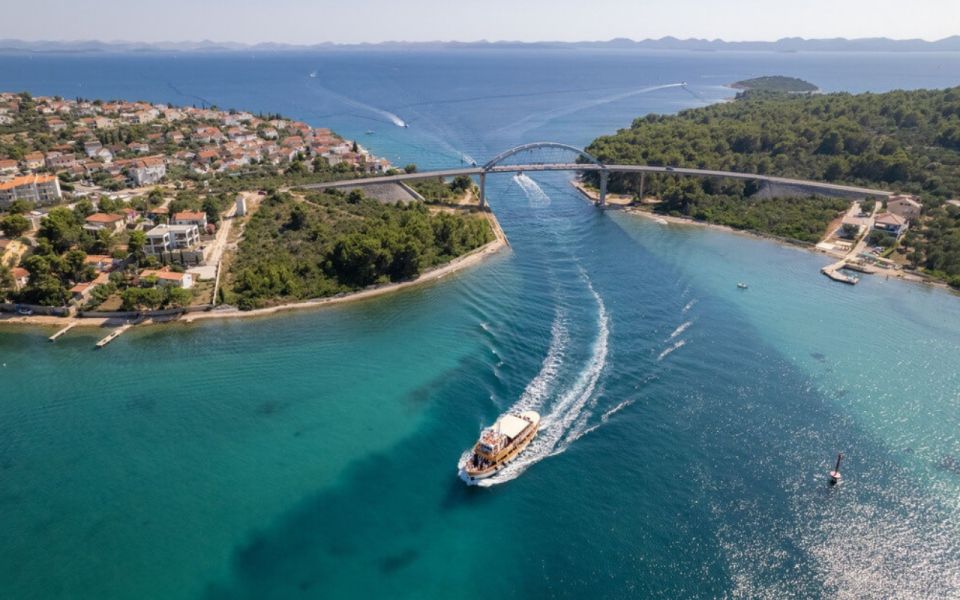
x=820, y=185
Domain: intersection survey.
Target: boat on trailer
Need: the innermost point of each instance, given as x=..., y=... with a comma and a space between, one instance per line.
x=499, y=444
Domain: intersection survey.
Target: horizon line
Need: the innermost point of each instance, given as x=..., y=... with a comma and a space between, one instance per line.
x=477, y=41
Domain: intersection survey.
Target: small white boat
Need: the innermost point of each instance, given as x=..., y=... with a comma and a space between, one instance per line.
x=499, y=444
x=742, y=285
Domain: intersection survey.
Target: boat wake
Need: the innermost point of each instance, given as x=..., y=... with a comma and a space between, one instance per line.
x=386, y=114
x=671, y=350
x=538, y=120
x=536, y=197
x=688, y=306
x=683, y=327
x=559, y=419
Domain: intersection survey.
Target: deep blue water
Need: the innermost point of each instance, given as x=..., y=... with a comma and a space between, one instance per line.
x=689, y=425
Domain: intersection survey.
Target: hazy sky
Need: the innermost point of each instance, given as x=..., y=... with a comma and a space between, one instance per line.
x=313, y=21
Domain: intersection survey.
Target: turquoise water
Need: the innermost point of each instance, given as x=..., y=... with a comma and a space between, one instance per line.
x=689, y=424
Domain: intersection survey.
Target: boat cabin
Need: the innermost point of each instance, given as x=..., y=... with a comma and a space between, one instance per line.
x=495, y=439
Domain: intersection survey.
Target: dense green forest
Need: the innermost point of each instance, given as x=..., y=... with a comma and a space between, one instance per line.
x=775, y=83
x=333, y=242
x=903, y=140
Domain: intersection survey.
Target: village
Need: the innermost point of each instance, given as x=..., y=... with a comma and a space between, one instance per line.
x=108, y=206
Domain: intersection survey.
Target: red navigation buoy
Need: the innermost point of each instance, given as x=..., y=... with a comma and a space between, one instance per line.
x=835, y=473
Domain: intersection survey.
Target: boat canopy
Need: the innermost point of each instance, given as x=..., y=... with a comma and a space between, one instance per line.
x=512, y=425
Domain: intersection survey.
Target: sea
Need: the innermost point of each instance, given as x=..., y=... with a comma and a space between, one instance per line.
x=688, y=425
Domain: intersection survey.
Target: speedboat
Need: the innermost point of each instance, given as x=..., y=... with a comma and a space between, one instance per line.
x=742, y=285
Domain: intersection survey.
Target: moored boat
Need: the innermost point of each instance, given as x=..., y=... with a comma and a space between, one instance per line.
x=499, y=444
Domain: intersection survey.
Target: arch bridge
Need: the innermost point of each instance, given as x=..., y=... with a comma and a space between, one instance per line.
x=554, y=156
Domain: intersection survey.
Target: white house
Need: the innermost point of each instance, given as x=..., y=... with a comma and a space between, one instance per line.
x=167, y=238
x=147, y=171
x=168, y=278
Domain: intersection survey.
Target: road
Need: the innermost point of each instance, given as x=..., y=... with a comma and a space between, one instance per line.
x=470, y=171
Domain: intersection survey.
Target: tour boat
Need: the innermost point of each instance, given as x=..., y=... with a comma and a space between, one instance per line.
x=499, y=444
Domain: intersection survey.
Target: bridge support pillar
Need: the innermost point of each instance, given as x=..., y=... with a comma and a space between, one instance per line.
x=643, y=181
x=483, y=190
x=602, y=202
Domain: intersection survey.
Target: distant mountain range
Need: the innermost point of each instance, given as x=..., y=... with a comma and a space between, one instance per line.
x=950, y=44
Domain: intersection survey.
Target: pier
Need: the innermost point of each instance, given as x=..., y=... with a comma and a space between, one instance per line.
x=833, y=272
x=60, y=333
x=114, y=335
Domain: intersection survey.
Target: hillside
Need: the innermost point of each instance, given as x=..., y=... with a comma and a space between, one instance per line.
x=902, y=140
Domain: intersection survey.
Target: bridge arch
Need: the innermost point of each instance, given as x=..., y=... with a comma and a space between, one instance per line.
x=581, y=153
x=496, y=160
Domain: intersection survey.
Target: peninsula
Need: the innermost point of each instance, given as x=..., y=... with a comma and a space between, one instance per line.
x=132, y=210
x=903, y=141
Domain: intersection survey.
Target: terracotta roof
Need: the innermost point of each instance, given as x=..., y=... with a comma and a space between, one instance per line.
x=890, y=219
x=97, y=258
x=103, y=218
x=150, y=161
x=19, y=272
x=189, y=215
x=26, y=180
x=168, y=275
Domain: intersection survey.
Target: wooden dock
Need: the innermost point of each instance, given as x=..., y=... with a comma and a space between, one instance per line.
x=114, y=335
x=58, y=334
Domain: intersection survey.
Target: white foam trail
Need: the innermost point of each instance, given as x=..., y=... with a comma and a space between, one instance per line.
x=567, y=409
x=393, y=118
x=606, y=416
x=671, y=349
x=683, y=327
x=540, y=386
x=535, y=194
x=543, y=118
x=688, y=306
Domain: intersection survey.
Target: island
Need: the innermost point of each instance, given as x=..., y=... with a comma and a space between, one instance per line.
x=138, y=211
x=776, y=83
x=904, y=141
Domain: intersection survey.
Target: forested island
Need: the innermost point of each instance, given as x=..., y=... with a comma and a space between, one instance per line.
x=776, y=83
x=902, y=140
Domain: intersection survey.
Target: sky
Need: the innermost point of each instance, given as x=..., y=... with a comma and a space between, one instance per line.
x=351, y=21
